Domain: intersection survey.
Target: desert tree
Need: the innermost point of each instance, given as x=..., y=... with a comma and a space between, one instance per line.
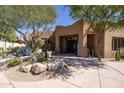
x=34, y=18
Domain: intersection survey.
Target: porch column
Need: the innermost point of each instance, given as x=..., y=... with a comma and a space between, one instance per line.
x=82, y=44
x=57, y=47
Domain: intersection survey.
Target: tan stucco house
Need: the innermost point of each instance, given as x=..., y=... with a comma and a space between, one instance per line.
x=74, y=39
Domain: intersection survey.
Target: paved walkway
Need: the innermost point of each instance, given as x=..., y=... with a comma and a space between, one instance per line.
x=112, y=75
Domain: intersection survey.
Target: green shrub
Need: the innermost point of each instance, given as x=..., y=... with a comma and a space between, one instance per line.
x=122, y=52
x=118, y=55
x=13, y=62
x=44, y=58
x=40, y=57
x=15, y=49
x=24, y=51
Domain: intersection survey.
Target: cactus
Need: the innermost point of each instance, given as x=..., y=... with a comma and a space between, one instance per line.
x=122, y=52
x=118, y=55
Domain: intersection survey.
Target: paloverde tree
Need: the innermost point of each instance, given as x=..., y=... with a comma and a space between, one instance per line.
x=34, y=18
x=99, y=18
x=38, y=19
x=7, y=33
x=8, y=24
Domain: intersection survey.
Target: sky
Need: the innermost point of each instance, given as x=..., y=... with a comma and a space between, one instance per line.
x=63, y=16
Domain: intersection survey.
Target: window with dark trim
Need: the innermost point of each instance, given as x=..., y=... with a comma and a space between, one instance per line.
x=117, y=43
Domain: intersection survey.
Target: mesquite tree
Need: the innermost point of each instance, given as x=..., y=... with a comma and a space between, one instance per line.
x=34, y=18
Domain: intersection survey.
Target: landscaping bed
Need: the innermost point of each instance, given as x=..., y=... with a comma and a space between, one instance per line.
x=15, y=75
x=37, y=71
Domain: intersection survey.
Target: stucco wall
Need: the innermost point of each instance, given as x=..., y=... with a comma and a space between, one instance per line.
x=108, y=53
x=74, y=29
x=9, y=44
x=80, y=29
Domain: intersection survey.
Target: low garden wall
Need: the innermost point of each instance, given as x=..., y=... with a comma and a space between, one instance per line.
x=9, y=44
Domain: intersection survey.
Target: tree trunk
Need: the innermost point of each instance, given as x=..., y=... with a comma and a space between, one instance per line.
x=5, y=43
x=98, y=53
x=100, y=39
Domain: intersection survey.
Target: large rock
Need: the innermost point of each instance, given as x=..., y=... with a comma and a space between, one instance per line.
x=3, y=68
x=38, y=68
x=51, y=66
x=25, y=69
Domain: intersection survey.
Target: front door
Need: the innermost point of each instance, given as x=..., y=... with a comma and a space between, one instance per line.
x=90, y=45
x=71, y=46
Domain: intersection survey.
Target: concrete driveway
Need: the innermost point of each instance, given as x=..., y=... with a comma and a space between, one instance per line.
x=111, y=75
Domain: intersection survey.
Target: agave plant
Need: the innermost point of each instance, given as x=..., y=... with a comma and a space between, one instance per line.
x=24, y=51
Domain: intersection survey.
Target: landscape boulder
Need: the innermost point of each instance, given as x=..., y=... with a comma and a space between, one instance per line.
x=3, y=68
x=38, y=68
x=51, y=66
x=25, y=69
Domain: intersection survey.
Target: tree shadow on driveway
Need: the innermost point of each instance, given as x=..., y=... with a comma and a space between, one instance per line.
x=76, y=64
x=84, y=63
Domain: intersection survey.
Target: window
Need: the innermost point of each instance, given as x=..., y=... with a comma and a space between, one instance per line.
x=117, y=43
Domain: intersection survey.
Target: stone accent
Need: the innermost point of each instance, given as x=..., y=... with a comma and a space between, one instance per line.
x=25, y=69
x=38, y=68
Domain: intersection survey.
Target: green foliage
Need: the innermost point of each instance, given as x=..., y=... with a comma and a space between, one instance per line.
x=38, y=44
x=11, y=37
x=99, y=16
x=7, y=32
x=118, y=55
x=35, y=17
x=24, y=51
x=9, y=16
x=13, y=62
x=24, y=16
x=40, y=58
x=44, y=58
x=13, y=50
x=122, y=52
